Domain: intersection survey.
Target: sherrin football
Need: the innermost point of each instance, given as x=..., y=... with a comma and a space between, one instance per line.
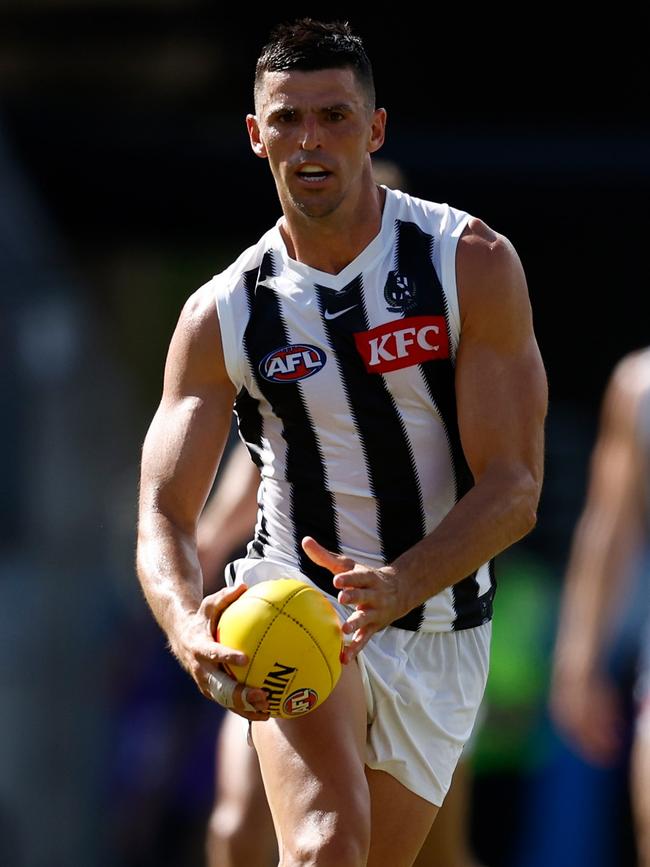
x=292, y=636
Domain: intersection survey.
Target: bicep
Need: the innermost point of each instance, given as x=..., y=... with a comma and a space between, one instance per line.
x=188, y=432
x=180, y=456
x=500, y=379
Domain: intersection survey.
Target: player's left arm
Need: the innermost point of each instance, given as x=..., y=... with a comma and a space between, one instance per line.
x=501, y=396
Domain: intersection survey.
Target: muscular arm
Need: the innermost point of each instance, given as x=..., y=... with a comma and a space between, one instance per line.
x=604, y=542
x=180, y=456
x=501, y=399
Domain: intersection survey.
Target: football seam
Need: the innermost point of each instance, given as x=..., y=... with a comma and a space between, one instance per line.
x=316, y=644
x=278, y=611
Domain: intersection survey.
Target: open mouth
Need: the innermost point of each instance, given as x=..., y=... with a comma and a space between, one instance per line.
x=313, y=173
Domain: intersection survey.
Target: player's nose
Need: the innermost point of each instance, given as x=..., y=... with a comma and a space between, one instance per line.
x=310, y=134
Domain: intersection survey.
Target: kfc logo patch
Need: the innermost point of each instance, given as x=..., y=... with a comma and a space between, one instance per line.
x=403, y=343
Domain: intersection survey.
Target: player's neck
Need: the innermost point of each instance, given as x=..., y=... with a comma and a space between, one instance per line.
x=330, y=243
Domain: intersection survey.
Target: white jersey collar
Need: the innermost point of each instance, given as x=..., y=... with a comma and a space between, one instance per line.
x=360, y=263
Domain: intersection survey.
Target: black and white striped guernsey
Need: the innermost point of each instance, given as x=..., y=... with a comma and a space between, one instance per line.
x=346, y=401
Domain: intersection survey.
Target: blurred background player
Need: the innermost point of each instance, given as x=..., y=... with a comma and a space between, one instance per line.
x=610, y=566
x=240, y=832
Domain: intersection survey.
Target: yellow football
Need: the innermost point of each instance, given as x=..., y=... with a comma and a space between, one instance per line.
x=292, y=636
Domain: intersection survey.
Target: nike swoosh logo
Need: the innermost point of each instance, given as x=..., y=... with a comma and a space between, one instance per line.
x=338, y=313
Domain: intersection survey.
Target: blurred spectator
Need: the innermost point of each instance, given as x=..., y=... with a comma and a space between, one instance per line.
x=609, y=566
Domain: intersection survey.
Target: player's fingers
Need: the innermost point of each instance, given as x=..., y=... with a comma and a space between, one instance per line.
x=322, y=557
x=221, y=654
x=214, y=604
x=250, y=700
x=359, y=640
x=357, y=620
x=234, y=696
x=205, y=650
x=359, y=596
x=221, y=688
x=359, y=577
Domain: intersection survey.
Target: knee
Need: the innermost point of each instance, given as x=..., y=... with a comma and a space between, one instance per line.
x=337, y=852
x=326, y=841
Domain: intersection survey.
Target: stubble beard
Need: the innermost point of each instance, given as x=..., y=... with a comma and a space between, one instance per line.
x=315, y=211
x=316, y=207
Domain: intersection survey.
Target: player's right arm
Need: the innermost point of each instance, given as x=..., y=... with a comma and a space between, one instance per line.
x=179, y=461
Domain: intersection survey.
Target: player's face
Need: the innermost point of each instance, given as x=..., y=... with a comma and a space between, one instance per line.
x=316, y=129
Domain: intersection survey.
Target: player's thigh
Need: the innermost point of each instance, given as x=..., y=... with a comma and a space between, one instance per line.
x=313, y=768
x=400, y=821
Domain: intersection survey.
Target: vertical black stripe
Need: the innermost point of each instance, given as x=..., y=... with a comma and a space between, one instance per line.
x=261, y=535
x=493, y=574
x=251, y=428
x=312, y=504
x=250, y=424
x=382, y=436
x=414, y=260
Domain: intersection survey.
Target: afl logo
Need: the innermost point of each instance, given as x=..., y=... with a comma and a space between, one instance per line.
x=300, y=702
x=291, y=363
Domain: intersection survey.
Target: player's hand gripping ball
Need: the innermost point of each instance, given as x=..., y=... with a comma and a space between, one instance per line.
x=292, y=636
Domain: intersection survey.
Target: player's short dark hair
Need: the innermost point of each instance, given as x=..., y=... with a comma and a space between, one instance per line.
x=308, y=45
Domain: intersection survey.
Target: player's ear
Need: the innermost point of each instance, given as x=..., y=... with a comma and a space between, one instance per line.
x=377, y=130
x=259, y=148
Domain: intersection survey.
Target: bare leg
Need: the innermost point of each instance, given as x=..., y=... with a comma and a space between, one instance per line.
x=313, y=770
x=240, y=832
x=323, y=799
x=400, y=821
x=448, y=842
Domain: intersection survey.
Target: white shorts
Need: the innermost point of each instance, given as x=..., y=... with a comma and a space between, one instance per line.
x=423, y=691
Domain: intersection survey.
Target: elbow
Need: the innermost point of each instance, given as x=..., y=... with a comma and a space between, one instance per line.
x=528, y=519
x=525, y=503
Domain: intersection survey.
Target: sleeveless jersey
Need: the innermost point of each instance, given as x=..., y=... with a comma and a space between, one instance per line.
x=346, y=400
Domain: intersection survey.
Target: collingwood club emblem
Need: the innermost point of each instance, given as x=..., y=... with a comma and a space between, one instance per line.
x=399, y=293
